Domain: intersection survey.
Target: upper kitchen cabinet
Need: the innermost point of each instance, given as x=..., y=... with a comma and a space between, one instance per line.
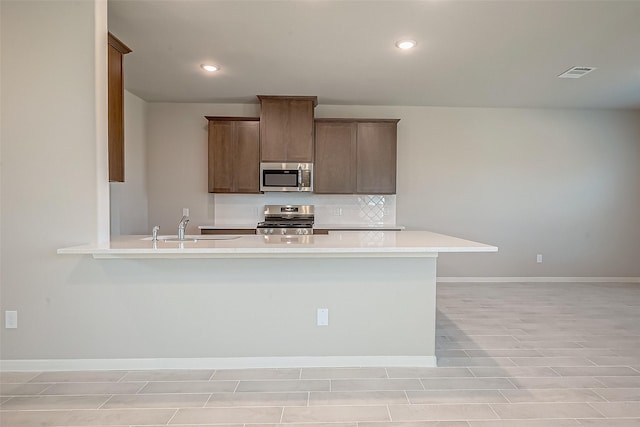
x=286, y=128
x=335, y=157
x=355, y=156
x=376, y=157
x=117, y=50
x=234, y=154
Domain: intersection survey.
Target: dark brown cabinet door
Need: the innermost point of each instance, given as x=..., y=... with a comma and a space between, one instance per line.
x=376, y=158
x=335, y=158
x=300, y=137
x=286, y=128
x=234, y=155
x=115, y=108
x=247, y=156
x=220, y=157
x=274, y=118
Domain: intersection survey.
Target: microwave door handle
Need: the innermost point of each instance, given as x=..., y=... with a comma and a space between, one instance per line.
x=299, y=176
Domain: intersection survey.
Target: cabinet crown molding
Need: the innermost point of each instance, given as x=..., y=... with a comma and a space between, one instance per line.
x=118, y=45
x=287, y=97
x=349, y=120
x=231, y=118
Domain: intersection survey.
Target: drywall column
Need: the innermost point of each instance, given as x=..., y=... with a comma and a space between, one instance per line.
x=52, y=185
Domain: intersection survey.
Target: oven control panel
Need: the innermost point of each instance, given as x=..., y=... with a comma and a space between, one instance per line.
x=285, y=231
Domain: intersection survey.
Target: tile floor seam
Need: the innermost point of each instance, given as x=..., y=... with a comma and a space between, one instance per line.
x=498, y=417
x=603, y=384
x=213, y=374
x=208, y=400
x=557, y=373
x=515, y=386
x=172, y=416
x=599, y=395
x=6, y=400
x=144, y=384
x=45, y=389
x=106, y=401
x=599, y=412
x=124, y=375
x=504, y=396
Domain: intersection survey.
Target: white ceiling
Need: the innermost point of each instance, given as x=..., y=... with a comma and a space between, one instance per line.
x=469, y=53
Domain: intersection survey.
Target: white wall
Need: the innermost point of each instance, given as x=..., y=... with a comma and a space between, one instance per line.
x=129, y=203
x=561, y=183
x=53, y=175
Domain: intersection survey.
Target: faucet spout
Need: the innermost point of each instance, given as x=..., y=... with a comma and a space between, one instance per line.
x=182, y=226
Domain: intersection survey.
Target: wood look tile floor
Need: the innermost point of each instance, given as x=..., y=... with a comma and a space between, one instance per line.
x=516, y=355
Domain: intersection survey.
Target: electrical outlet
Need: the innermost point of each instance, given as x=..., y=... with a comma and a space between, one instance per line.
x=539, y=258
x=185, y=211
x=10, y=319
x=323, y=317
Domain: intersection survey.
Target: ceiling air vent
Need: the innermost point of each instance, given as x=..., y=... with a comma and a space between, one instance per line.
x=576, y=72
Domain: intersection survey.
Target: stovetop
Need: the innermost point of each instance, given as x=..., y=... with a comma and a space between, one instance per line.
x=285, y=224
x=287, y=216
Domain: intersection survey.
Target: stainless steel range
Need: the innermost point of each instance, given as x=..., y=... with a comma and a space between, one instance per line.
x=287, y=220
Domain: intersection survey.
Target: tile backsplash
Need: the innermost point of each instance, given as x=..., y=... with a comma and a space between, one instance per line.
x=236, y=209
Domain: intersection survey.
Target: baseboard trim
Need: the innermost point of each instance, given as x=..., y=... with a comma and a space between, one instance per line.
x=41, y=365
x=538, y=279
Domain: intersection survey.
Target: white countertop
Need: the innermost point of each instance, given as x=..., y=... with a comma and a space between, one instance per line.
x=335, y=244
x=358, y=226
x=229, y=227
x=319, y=226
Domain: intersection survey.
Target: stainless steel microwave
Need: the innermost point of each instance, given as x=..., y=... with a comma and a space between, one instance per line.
x=286, y=176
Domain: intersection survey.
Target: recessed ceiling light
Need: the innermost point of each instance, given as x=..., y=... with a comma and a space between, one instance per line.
x=406, y=44
x=210, y=68
x=576, y=72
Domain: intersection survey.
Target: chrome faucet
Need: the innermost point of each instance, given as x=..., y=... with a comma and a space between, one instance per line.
x=182, y=226
x=154, y=233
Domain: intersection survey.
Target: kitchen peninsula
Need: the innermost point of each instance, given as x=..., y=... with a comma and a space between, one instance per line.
x=379, y=288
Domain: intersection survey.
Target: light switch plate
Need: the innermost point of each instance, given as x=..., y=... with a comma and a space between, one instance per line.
x=323, y=317
x=10, y=319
